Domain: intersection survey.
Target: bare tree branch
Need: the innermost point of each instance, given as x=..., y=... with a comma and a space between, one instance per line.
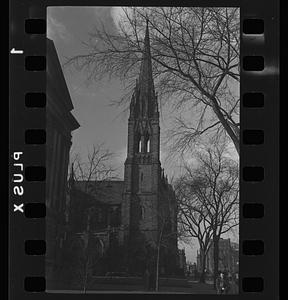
x=195, y=53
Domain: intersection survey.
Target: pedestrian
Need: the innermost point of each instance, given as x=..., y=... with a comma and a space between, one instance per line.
x=220, y=283
x=237, y=278
x=226, y=283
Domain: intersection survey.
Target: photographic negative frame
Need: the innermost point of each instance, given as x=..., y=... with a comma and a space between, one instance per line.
x=259, y=141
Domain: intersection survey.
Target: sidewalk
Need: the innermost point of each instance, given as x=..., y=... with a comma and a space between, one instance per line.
x=126, y=292
x=193, y=288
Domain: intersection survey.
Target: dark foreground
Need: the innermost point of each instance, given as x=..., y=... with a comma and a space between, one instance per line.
x=190, y=287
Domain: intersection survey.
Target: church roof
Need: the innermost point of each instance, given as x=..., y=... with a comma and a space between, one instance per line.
x=108, y=192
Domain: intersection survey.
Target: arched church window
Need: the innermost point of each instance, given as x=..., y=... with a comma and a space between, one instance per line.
x=148, y=145
x=138, y=143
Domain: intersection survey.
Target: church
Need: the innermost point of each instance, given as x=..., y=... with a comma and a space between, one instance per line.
x=131, y=225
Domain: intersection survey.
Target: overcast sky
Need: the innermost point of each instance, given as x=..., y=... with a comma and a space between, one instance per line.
x=99, y=122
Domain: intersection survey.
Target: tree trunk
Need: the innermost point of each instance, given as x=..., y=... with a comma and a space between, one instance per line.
x=216, y=258
x=203, y=273
x=226, y=125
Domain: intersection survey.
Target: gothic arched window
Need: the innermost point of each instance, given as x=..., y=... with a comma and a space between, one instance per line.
x=148, y=145
x=138, y=143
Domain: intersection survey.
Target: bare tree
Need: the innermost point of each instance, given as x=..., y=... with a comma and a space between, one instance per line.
x=89, y=174
x=162, y=237
x=193, y=218
x=163, y=241
x=96, y=167
x=214, y=195
x=222, y=175
x=87, y=252
x=195, y=54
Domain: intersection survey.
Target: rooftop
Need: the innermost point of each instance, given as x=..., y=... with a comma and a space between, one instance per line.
x=109, y=192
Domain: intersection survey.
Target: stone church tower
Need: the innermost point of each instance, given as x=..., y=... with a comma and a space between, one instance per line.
x=142, y=166
x=146, y=195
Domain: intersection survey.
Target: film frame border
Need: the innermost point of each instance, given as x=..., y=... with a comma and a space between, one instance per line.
x=259, y=144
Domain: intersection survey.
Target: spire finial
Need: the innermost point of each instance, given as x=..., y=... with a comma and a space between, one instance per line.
x=147, y=20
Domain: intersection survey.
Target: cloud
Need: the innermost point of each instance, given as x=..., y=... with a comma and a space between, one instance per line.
x=57, y=30
x=101, y=11
x=117, y=13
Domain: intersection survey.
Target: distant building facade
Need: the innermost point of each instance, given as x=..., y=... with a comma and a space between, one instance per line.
x=59, y=125
x=137, y=216
x=182, y=260
x=192, y=269
x=228, y=257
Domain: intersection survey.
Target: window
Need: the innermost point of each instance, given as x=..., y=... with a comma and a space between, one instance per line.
x=148, y=145
x=143, y=143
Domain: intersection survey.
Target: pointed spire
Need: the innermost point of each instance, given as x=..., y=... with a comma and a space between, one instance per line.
x=146, y=64
x=145, y=98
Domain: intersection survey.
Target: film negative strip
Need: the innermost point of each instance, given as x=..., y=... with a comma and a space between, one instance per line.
x=44, y=183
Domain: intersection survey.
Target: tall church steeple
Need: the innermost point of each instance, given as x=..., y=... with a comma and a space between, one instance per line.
x=145, y=200
x=143, y=128
x=142, y=166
